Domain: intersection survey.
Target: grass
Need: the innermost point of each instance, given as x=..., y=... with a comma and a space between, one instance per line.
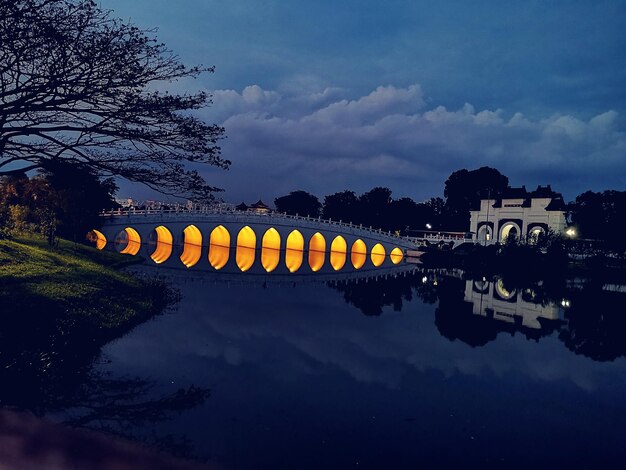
x=57, y=308
x=73, y=284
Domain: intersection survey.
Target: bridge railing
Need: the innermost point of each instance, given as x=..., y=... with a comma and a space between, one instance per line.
x=209, y=211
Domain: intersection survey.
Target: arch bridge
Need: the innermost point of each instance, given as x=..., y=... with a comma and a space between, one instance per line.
x=236, y=241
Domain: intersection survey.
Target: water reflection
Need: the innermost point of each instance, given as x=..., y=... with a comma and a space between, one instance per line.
x=588, y=319
x=495, y=300
x=324, y=364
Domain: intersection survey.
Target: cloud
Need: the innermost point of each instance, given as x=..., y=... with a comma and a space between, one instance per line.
x=323, y=141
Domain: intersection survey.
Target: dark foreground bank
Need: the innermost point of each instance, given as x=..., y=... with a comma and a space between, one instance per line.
x=59, y=306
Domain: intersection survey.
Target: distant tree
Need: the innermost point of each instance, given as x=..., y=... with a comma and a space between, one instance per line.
x=373, y=296
x=405, y=215
x=600, y=216
x=378, y=209
x=341, y=206
x=79, y=196
x=463, y=191
x=437, y=207
x=595, y=324
x=373, y=208
x=80, y=86
x=299, y=202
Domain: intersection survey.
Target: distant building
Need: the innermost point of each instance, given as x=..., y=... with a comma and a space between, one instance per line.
x=259, y=207
x=518, y=213
x=125, y=202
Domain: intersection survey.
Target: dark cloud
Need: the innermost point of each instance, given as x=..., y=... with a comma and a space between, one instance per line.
x=324, y=143
x=556, y=69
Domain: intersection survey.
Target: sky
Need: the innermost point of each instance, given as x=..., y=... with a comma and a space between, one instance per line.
x=325, y=96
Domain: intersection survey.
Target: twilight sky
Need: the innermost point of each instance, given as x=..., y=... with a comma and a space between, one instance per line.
x=326, y=96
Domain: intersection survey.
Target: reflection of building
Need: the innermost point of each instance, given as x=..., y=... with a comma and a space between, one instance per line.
x=494, y=300
x=519, y=213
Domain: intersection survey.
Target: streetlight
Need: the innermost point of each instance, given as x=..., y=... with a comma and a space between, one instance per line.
x=571, y=232
x=428, y=226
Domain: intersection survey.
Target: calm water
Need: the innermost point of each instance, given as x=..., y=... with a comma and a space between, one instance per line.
x=422, y=369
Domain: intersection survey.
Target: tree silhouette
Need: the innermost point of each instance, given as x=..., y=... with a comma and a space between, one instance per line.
x=340, y=206
x=299, y=202
x=596, y=324
x=372, y=295
x=78, y=85
x=601, y=216
x=463, y=191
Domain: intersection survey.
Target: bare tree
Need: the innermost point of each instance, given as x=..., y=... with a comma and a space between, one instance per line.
x=78, y=85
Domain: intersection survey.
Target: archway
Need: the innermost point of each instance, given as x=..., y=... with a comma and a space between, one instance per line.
x=338, y=252
x=192, y=246
x=131, y=241
x=270, y=249
x=294, y=251
x=246, y=245
x=317, y=251
x=164, y=242
x=534, y=234
x=358, y=254
x=97, y=237
x=378, y=254
x=485, y=233
x=396, y=255
x=503, y=292
x=509, y=230
x=219, y=247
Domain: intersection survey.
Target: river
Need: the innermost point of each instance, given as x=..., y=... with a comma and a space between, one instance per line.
x=417, y=368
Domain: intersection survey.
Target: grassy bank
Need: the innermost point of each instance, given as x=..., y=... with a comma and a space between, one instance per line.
x=74, y=284
x=59, y=306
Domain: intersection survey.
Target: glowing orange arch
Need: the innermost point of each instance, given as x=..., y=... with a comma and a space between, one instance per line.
x=192, y=248
x=378, y=254
x=134, y=242
x=358, y=254
x=246, y=245
x=294, y=251
x=219, y=247
x=270, y=249
x=396, y=255
x=164, y=243
x=338, y=252
x=317, y=251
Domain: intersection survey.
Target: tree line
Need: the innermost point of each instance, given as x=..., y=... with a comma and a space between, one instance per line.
x=599, y=216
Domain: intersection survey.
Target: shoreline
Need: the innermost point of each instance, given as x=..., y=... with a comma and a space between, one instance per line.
x=58, y=307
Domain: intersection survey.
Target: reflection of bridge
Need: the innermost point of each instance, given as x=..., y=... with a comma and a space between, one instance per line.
x=441, y=239
x=245, y=241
